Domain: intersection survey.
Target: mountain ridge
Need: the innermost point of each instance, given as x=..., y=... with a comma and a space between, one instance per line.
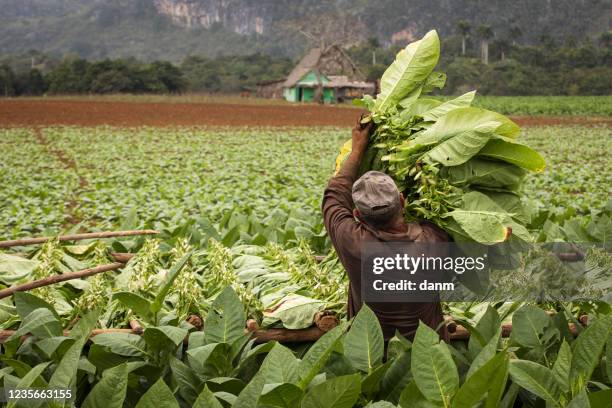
x=172, y=29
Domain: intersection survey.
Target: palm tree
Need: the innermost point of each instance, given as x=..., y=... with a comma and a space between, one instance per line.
x=485, y=32
x=464, y=28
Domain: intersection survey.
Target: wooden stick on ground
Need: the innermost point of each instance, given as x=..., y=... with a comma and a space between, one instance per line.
x=123, y=257
x=325, y=321
x=59, y=278
x=76, y=237
x=136, y=327
x=288, y=336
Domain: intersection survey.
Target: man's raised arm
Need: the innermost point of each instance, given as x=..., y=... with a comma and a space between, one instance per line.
x=337, y=201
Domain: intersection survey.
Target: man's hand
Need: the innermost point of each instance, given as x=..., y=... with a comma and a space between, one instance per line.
x=361, y=137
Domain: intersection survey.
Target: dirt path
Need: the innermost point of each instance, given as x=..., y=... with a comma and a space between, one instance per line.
x=69, y=163
x=93, y=113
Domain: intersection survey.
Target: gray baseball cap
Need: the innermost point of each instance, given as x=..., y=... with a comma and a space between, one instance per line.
x=376, y=196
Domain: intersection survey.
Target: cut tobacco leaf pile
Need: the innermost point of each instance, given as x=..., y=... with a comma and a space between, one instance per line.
x=458, y=167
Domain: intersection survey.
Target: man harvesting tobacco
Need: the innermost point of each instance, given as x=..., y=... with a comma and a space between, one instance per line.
x=371, y=209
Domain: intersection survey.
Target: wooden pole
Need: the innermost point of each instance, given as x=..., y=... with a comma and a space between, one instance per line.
x=288, y=336
x=325, y=321
x=136, y=327
x=59, y=278
x=76, y=237
x=122, y=257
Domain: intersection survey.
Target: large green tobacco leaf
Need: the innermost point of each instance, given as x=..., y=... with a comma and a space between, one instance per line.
x=30, y=379
x=225, y=321
x=26, y=303
x=484, y=173
x=461, y=147
x=515, y=153
x=338, y=392
x=485, y=354
x=396, y=378
x=462, y=120
x=226, y=384
x=136, y=303
x=164, y=338
x=411, y=67
x=587, y=350
x=318, y=354
x=485, y=202
x=370, y=385
x=53, y=347
x=485, y=330
x=40, y=322
x=419, y=108
x=280, y=366
x=434, y=371
x=497, y=386
x=478, y=385
x=411, y=397
x=364, y=343
x=434, y=80
x=294, y=311
x=249, y=397
x=528, y=325
x=111, y=390
x=124, y=344
x=189, y=384
x=103, y=359
x=437, y=112
x=65, y=373
x=210, y=360
x=561, y=367
x=537, y=379
x=158, y=396
x=14, y=268
x=486, y=227
x=207, y=399
x=580, y=401
x=284, y=395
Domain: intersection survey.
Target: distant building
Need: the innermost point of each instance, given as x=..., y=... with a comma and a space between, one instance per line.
x=270, y=89
x=329, y=72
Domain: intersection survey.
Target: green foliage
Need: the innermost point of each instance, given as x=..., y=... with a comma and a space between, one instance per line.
x=418, y=142
x=233, y=73
x=206, y=377
x=364, y=342
x=77, y=76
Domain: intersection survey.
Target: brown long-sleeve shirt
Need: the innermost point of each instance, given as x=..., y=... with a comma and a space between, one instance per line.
x=347, y=235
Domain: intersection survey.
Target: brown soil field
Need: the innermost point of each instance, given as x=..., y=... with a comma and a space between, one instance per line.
x=16, y=112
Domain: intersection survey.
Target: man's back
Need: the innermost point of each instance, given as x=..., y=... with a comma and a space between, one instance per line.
x=348, y=236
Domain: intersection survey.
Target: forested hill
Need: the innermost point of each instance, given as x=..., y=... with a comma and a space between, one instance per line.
x=171, y=29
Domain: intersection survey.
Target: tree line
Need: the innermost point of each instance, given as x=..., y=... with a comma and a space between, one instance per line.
x=474, y=58
x=477, y=58
x=34, y=73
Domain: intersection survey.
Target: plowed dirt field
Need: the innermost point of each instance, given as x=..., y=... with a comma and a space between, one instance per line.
x=15, y=112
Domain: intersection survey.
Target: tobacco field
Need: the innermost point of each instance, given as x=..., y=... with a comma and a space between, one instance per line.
x=255, y=226
x=240, y=250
